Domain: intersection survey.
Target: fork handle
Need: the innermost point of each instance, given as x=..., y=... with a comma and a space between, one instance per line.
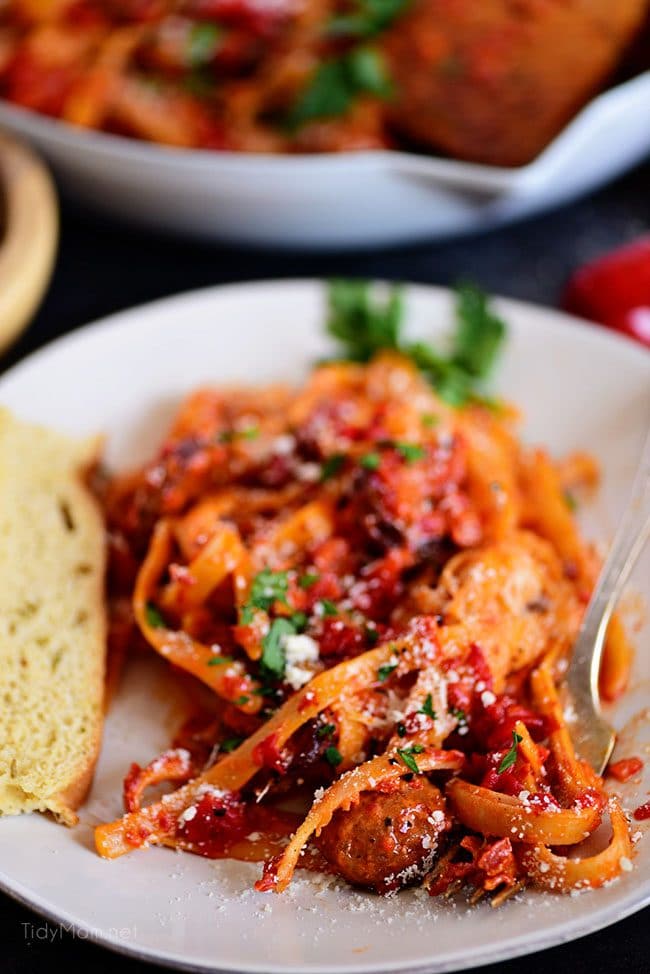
x=630, y=538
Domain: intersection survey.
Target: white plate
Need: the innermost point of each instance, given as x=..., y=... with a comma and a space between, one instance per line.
x=340, y=200
x=579, y=387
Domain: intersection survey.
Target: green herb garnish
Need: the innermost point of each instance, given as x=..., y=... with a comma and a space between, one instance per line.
x=299, y=621
x=372, y=635
x=325, y=731
x=273, y=656
x=570, y=501
x=230, y=744
x=248, y=433
x=267, y=587
x=219, y=660
x=427, y=707
x=410, y=451
x=154, y=618
x=385, y=671
x=333, y=756
x=367, y=18
x=308, y=579
x=328, y=608
x=370, y=461
x=336, y=83
x=203, y=42
x=363, y=325
x=510, y=758
x=199, y=82
x=331, y=466
x=480, y=332
x=401, y=729
x=406, y=754
x=429, y=420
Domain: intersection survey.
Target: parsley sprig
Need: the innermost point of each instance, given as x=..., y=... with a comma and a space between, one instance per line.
x=364, y=324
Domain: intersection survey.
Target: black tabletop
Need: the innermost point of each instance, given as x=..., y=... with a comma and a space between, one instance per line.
x=103, y=267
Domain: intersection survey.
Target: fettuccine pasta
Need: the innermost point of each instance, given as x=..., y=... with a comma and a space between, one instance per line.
x=379, y=594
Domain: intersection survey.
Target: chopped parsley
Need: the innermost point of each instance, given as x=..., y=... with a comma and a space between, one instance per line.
x=333, y=756
x=364, y=324
x=299, y=621
x=240, y=701
x=328, y=608
x=370, y=461
x=203, y=43
x=427, y=707
x=385, y=671
x=336, y=83
x=366, y=18
x=410, y=452
x=219, y=660
x=273, y=656
x=429, y=420
x=570, y=501
x=249, y=433
x=267, y=587
x=308, y=579
x=510, y=758
x=326, y=730
x=459, y=714
x=372, y=635
x=331, y=466
x=230, y=744
x=407, y=756
x=154, y=618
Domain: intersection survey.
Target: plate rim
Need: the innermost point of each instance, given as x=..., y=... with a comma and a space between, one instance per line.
x=510, y=950
x=586, y=922
x=590, y=330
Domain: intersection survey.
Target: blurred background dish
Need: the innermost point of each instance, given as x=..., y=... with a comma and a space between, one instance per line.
x=29, y=236
x=368, y=198
x=461, y=116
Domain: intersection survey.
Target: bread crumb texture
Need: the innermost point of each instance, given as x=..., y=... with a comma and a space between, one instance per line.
x=52, y=620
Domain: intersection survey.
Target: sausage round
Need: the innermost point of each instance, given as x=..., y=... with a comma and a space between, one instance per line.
x=389, y=838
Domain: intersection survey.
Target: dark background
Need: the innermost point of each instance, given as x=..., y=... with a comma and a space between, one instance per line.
x=103, y=267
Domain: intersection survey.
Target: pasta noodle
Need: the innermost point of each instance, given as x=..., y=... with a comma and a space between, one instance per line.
x=381, y=593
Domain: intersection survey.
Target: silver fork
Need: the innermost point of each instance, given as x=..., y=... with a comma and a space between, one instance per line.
x=593, y=737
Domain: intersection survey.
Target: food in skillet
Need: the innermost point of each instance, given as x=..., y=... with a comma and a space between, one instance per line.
x=492, y=81
x=380, y=585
